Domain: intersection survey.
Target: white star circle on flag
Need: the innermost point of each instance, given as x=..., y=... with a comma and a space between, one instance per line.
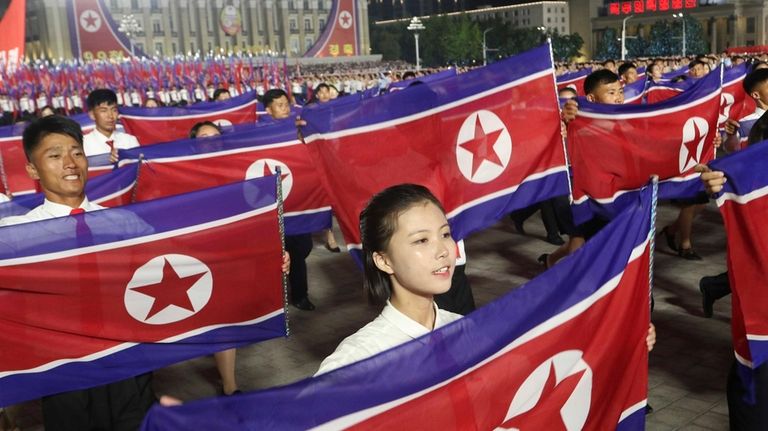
x=264, y=167
x=90, y=21
x=570, y=370
x=222, y=122
x=695, y=133
x=345, y=19
x=483, y=147
x=168, y=288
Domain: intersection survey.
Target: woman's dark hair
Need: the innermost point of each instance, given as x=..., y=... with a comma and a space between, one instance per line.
x=42, y=127
x=196, y=128
x=378, y=222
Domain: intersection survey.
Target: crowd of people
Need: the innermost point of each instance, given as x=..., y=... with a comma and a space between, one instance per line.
x=421, y=289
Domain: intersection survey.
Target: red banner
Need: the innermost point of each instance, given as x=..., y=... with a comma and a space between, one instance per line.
x=12, y=29
x=340, y=36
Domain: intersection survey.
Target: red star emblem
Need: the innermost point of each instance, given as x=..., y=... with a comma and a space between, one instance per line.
x=345, y=19
x=268, y=171
x=171, y=290
x=481, y=146
x=693, y=145
x=90, y=20
x=553, y=397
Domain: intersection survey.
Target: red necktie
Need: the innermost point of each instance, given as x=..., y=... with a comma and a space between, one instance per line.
x=111, y=144
x=83, y=232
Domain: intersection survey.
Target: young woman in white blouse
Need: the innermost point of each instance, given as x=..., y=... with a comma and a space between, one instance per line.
x=409, y=256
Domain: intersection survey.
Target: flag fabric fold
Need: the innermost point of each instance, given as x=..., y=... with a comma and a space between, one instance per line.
x=249, y=151
x=541, y=357
x=119, y=292
x=614, y=149
x=744, y=207
x=485, y=143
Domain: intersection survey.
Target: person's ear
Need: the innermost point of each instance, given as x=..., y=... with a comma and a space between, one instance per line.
x=382, y=262
x=591, y=97
x=32, y=171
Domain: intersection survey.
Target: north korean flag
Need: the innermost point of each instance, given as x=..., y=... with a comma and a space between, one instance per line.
x=614, y=149
x=101, y=296
x=566, y=350
x=574, y=80
x=164, y=124
x=485, y=143
x=250, y=151
x=744, y=207
x=659, y=91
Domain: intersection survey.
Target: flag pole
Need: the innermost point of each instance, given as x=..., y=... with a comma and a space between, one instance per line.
x=652, y=234
x=281, y=225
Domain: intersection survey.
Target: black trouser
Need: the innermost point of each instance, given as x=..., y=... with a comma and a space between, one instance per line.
x=298, y=247
x=742, y=415
x=548, y=215
x=458, y=299
x=118, y=406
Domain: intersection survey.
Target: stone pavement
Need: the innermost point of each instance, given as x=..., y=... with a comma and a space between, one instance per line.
x=688, y=366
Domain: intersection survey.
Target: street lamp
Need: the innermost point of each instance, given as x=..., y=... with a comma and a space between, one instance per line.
x=129, y=26
x=416, y=26
x=624, y=37
x=485, y=46
x=680, y=15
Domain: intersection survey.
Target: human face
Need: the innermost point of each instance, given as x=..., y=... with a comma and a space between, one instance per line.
x=421, y=254
x=611, y=94
x=151, y=103
x=205, y=131
x=105, y=117
x=760, y=94
x=323, y=95
x=655, y=71
x=62, y=168
x=223, y=96
x=279, y=108
x=630, y=75
x=698, y=71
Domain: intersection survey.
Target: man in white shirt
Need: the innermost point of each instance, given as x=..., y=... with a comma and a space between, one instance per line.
x=54, y=149
x=104, y=139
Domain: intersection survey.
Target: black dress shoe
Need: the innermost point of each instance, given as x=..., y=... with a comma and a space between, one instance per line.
x=543, y=260
x=648, y=409
x=304, y=304
x=707, y=300
x=518, y=225
x=332, y=249
x=555, y=239
x=688, y=254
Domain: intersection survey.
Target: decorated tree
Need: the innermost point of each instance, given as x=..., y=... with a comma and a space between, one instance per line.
x=609, y=46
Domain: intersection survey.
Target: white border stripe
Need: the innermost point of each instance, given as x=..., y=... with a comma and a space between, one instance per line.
x=134, y=241
x=546, y=326
x=213, y=154
x=186, y=117
x=742, y=199
x=632, y=409
x=742, y=360
x=611, y=199
x=309, y=211
x=502, y=192
x=654, y=113
x=753, y=337
x=115, y=194
x=123, y=346
x=442, y=108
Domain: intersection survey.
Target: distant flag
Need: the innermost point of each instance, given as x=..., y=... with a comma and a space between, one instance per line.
x=247, y=152
x=110, y=294
x=634, y=93
x=154, y=125
x=614, y=149
x=574, y=80
x=566, y=350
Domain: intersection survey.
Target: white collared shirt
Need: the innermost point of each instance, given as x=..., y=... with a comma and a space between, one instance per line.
x=47, y=211
x=96, y=143
x=390, y=329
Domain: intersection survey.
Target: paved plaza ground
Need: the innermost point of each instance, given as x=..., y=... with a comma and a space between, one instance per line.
x=688, y=367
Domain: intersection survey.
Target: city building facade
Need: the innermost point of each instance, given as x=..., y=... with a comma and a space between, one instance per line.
x=170, y=27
